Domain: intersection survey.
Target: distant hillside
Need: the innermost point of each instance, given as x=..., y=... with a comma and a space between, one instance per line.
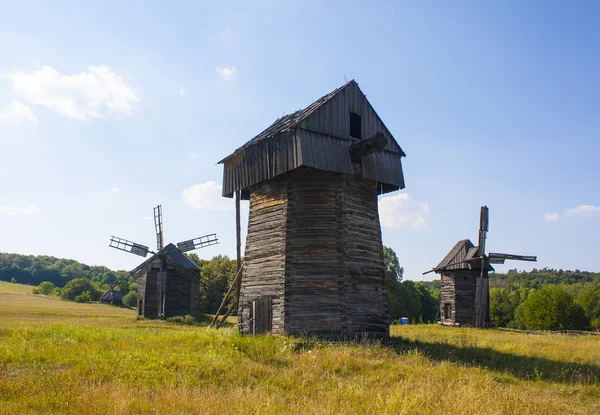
x=32, y=270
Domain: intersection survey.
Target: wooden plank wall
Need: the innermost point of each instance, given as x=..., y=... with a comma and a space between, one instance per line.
x=458, y=289
x=315, y=283
x=314, y=247
x=150, y=294
x=264, y=261
x=363, y=266
x=181, y=288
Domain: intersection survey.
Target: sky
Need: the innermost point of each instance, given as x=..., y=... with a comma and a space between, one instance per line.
x=110, y=108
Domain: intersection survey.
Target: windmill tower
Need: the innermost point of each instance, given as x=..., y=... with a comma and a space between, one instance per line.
x=465, y=284
x=168, y=280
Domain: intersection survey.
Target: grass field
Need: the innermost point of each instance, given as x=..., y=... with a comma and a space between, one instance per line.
x=63, y=357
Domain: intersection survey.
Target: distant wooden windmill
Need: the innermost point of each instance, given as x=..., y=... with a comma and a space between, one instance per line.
x=465, y=284
x=169, y=280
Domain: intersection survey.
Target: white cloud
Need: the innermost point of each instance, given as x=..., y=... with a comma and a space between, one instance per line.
x=15, y=211
x=92, y=94
x=112, y=190
x=15, y=112
x=552, y=217
x=181, y=92
x=583, y=210
x=207, y=196
x=401, y=211
x=226, y=73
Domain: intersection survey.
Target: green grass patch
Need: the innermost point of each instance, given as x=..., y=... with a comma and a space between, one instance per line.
x=64, y=357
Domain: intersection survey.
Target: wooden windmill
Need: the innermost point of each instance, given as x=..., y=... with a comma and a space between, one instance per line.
x=313, y=261
x=465, y=283
x=168, y=280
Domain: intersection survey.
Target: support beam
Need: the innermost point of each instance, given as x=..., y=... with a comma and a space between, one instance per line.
x=238, y=236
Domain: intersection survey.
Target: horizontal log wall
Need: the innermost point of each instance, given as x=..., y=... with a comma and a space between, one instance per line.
x=314, y=286
x=363, y=258
x=458, y=289
x=314, y=247
x=264, y=261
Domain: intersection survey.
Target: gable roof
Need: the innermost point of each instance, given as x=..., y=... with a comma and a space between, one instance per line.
x=459, y=258
x=173, y=256
x=292, y=121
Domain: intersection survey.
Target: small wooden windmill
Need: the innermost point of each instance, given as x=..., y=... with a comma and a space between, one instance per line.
x=168, y=280
x=465, y=284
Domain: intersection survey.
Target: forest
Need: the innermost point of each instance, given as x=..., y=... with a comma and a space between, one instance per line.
x=545, y=299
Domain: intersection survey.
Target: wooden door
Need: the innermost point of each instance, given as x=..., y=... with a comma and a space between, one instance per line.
x=262, y=316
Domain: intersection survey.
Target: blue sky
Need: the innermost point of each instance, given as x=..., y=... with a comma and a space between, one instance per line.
x=107, y=109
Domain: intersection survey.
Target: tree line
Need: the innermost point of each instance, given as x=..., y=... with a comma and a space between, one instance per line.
x=545, y=299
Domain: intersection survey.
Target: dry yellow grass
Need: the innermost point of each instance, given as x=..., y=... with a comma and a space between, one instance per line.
x=62, y=357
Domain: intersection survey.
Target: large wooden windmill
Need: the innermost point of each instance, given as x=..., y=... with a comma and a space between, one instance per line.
x=465, y=284
x=168, y=281
x=313, y=262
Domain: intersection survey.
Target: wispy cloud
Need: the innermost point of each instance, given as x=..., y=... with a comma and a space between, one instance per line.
x=583, y=210
x=30, y=210
x=401, y=211
x=83, y=96
x=113, y=190
x=206, y=196
x=16, y=112
x=552, y=217
x=226, y=73
x=181, y=92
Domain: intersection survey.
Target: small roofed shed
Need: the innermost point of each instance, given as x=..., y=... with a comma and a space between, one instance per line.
x=182, y=276
x=459, y=271
x=112, y=297
x=314, y=258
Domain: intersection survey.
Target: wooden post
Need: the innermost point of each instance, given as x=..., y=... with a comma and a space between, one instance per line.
x=238, y=232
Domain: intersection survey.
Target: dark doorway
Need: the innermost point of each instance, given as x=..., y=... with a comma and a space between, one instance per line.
x=262, y=316
x=447, y=311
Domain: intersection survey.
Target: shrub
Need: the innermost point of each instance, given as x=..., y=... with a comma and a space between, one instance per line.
x=130, y=299
x=13, y=280
x=84, y=297
x=78, y=287
x=45, y=288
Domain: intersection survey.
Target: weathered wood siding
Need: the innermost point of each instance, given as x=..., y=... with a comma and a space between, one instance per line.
x=182, y=293
x=264, y=261
x=147, y=292
x=458, y=289
x=314, y=285
x=314, y=247
x=367, y=303
x=333, y=117
x=181, y=298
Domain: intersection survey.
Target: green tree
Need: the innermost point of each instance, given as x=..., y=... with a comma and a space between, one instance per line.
x=130, y=299
x=393, y=270
x=589, y=299
x=215, y=279
x=552, y=308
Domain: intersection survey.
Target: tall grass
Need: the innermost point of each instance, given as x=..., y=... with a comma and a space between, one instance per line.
x=63, y=357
